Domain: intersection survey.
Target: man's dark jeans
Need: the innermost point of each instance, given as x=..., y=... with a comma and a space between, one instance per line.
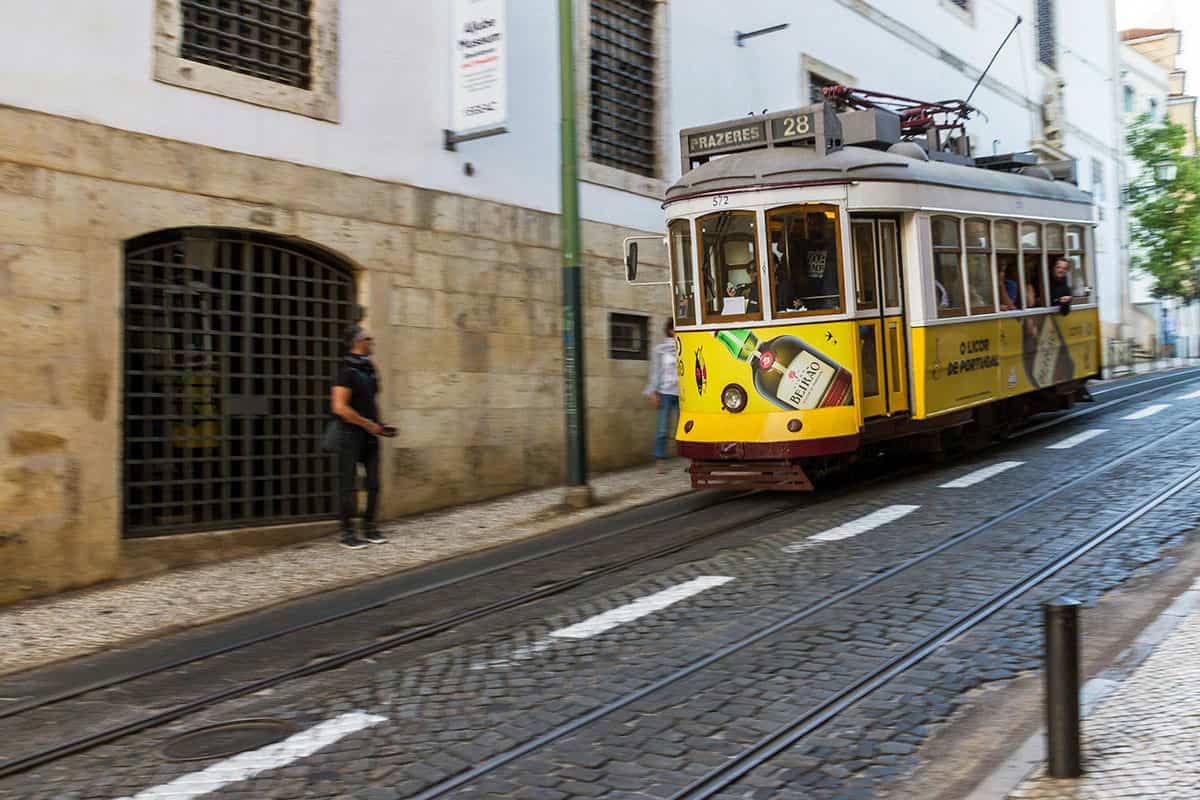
x=357, y=447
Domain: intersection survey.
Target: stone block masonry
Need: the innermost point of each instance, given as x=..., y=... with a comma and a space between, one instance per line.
x=463, y=296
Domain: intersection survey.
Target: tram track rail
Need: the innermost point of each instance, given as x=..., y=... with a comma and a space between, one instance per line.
x=674, y=678
x=817, y=718
x=17, y=709
x=82, y=744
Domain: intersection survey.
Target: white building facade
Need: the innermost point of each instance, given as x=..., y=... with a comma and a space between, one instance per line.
x=1145, y=89
x=1154, y=84
x=172, y=172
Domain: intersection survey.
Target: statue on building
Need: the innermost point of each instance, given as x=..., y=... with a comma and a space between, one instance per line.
x=1053, y=112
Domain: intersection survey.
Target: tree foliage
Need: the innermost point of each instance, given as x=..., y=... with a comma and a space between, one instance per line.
x=1165, y=213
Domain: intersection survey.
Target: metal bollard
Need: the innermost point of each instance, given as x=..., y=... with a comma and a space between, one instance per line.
x=1061, y=619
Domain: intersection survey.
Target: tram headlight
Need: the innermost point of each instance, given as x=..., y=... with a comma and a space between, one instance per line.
x=733, y=398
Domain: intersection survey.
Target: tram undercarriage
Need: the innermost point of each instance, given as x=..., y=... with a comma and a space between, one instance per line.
x=964, y=431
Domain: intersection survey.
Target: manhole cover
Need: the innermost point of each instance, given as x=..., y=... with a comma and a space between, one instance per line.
x=226, y=739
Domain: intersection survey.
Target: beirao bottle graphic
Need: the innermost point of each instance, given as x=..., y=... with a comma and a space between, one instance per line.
x=1045, y=353
x=790, y=373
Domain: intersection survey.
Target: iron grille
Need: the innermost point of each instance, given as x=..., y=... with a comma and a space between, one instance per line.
x=629, y=337
x=623, y=130
x=1045, y=31
x=232, y=339
x=269, y=39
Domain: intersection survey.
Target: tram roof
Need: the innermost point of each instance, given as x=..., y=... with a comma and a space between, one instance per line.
x=781, y=167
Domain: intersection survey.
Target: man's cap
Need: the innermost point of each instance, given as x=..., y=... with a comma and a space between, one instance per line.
x=354, y=335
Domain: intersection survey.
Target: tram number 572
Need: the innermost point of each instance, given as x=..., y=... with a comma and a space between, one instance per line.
x=721, y=200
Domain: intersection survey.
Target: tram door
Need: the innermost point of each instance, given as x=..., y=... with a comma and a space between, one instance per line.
x=880, y=302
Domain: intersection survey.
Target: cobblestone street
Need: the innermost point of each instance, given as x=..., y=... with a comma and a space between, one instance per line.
x=639, y=683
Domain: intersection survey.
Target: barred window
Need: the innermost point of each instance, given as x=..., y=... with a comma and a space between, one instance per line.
x=1047, y=45
x=269, y=39
x=623, y=129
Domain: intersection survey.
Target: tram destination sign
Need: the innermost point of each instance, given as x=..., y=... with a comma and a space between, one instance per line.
x=739, y=136
x=814, y=126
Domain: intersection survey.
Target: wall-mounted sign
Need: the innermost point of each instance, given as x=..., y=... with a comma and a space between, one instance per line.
x=479, y=101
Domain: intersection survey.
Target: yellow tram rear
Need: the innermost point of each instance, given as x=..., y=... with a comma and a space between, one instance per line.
x=829, y=296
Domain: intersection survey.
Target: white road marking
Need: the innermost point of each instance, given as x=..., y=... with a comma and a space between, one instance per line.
x=980, y=475
x=1192, y=396
x=246, y=765
x=868, y=523
x=1148, y=411
x=522, y=653
x=639, y=608
x=1079, y=438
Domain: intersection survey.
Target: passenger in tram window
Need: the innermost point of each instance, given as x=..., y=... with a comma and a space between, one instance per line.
x=1008, y=289
x=1032, y=298
x=1060, y=287
x=943, y=297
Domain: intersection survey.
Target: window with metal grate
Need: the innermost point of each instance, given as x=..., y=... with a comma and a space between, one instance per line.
x=629, y=337
x=268, y=39
x=1047, y=45
x=623, y=129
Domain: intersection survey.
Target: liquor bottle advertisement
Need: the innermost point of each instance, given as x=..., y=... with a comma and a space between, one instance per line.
x=793, y=368
x=973, y=362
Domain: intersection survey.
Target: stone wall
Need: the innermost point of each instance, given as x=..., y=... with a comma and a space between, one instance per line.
x=463, y=296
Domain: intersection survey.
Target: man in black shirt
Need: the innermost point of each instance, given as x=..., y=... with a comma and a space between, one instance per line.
x=354, y=393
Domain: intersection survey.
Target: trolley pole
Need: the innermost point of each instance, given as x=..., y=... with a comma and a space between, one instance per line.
x=579, y=494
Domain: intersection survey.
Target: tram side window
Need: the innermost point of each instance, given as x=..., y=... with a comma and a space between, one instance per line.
x=1055, y=249
x=1031, y=257
x=729, y=266
x=947, y=268
x=1076, y=244
x=979, y=266
x=1008, y=269
x=805, y=271
x=680, y=232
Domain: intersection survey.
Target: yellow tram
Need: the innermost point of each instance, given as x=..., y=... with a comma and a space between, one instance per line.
x=838, y=282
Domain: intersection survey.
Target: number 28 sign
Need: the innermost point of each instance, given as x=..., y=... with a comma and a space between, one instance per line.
x=794, y=126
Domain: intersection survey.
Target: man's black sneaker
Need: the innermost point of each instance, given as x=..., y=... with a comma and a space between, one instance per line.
x=352, y=543
x=372, y=535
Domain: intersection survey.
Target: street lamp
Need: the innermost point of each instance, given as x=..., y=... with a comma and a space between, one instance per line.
x=1166, y=170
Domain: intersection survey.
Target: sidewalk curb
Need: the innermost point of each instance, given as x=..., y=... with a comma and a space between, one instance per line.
x=555, y=524
x=1031, y=755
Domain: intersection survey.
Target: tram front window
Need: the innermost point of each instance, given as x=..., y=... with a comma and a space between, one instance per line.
x=805, y=272
x=680, y=233
x=729, y=266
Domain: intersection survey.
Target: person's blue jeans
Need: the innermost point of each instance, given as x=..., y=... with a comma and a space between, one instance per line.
x=668, y=406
